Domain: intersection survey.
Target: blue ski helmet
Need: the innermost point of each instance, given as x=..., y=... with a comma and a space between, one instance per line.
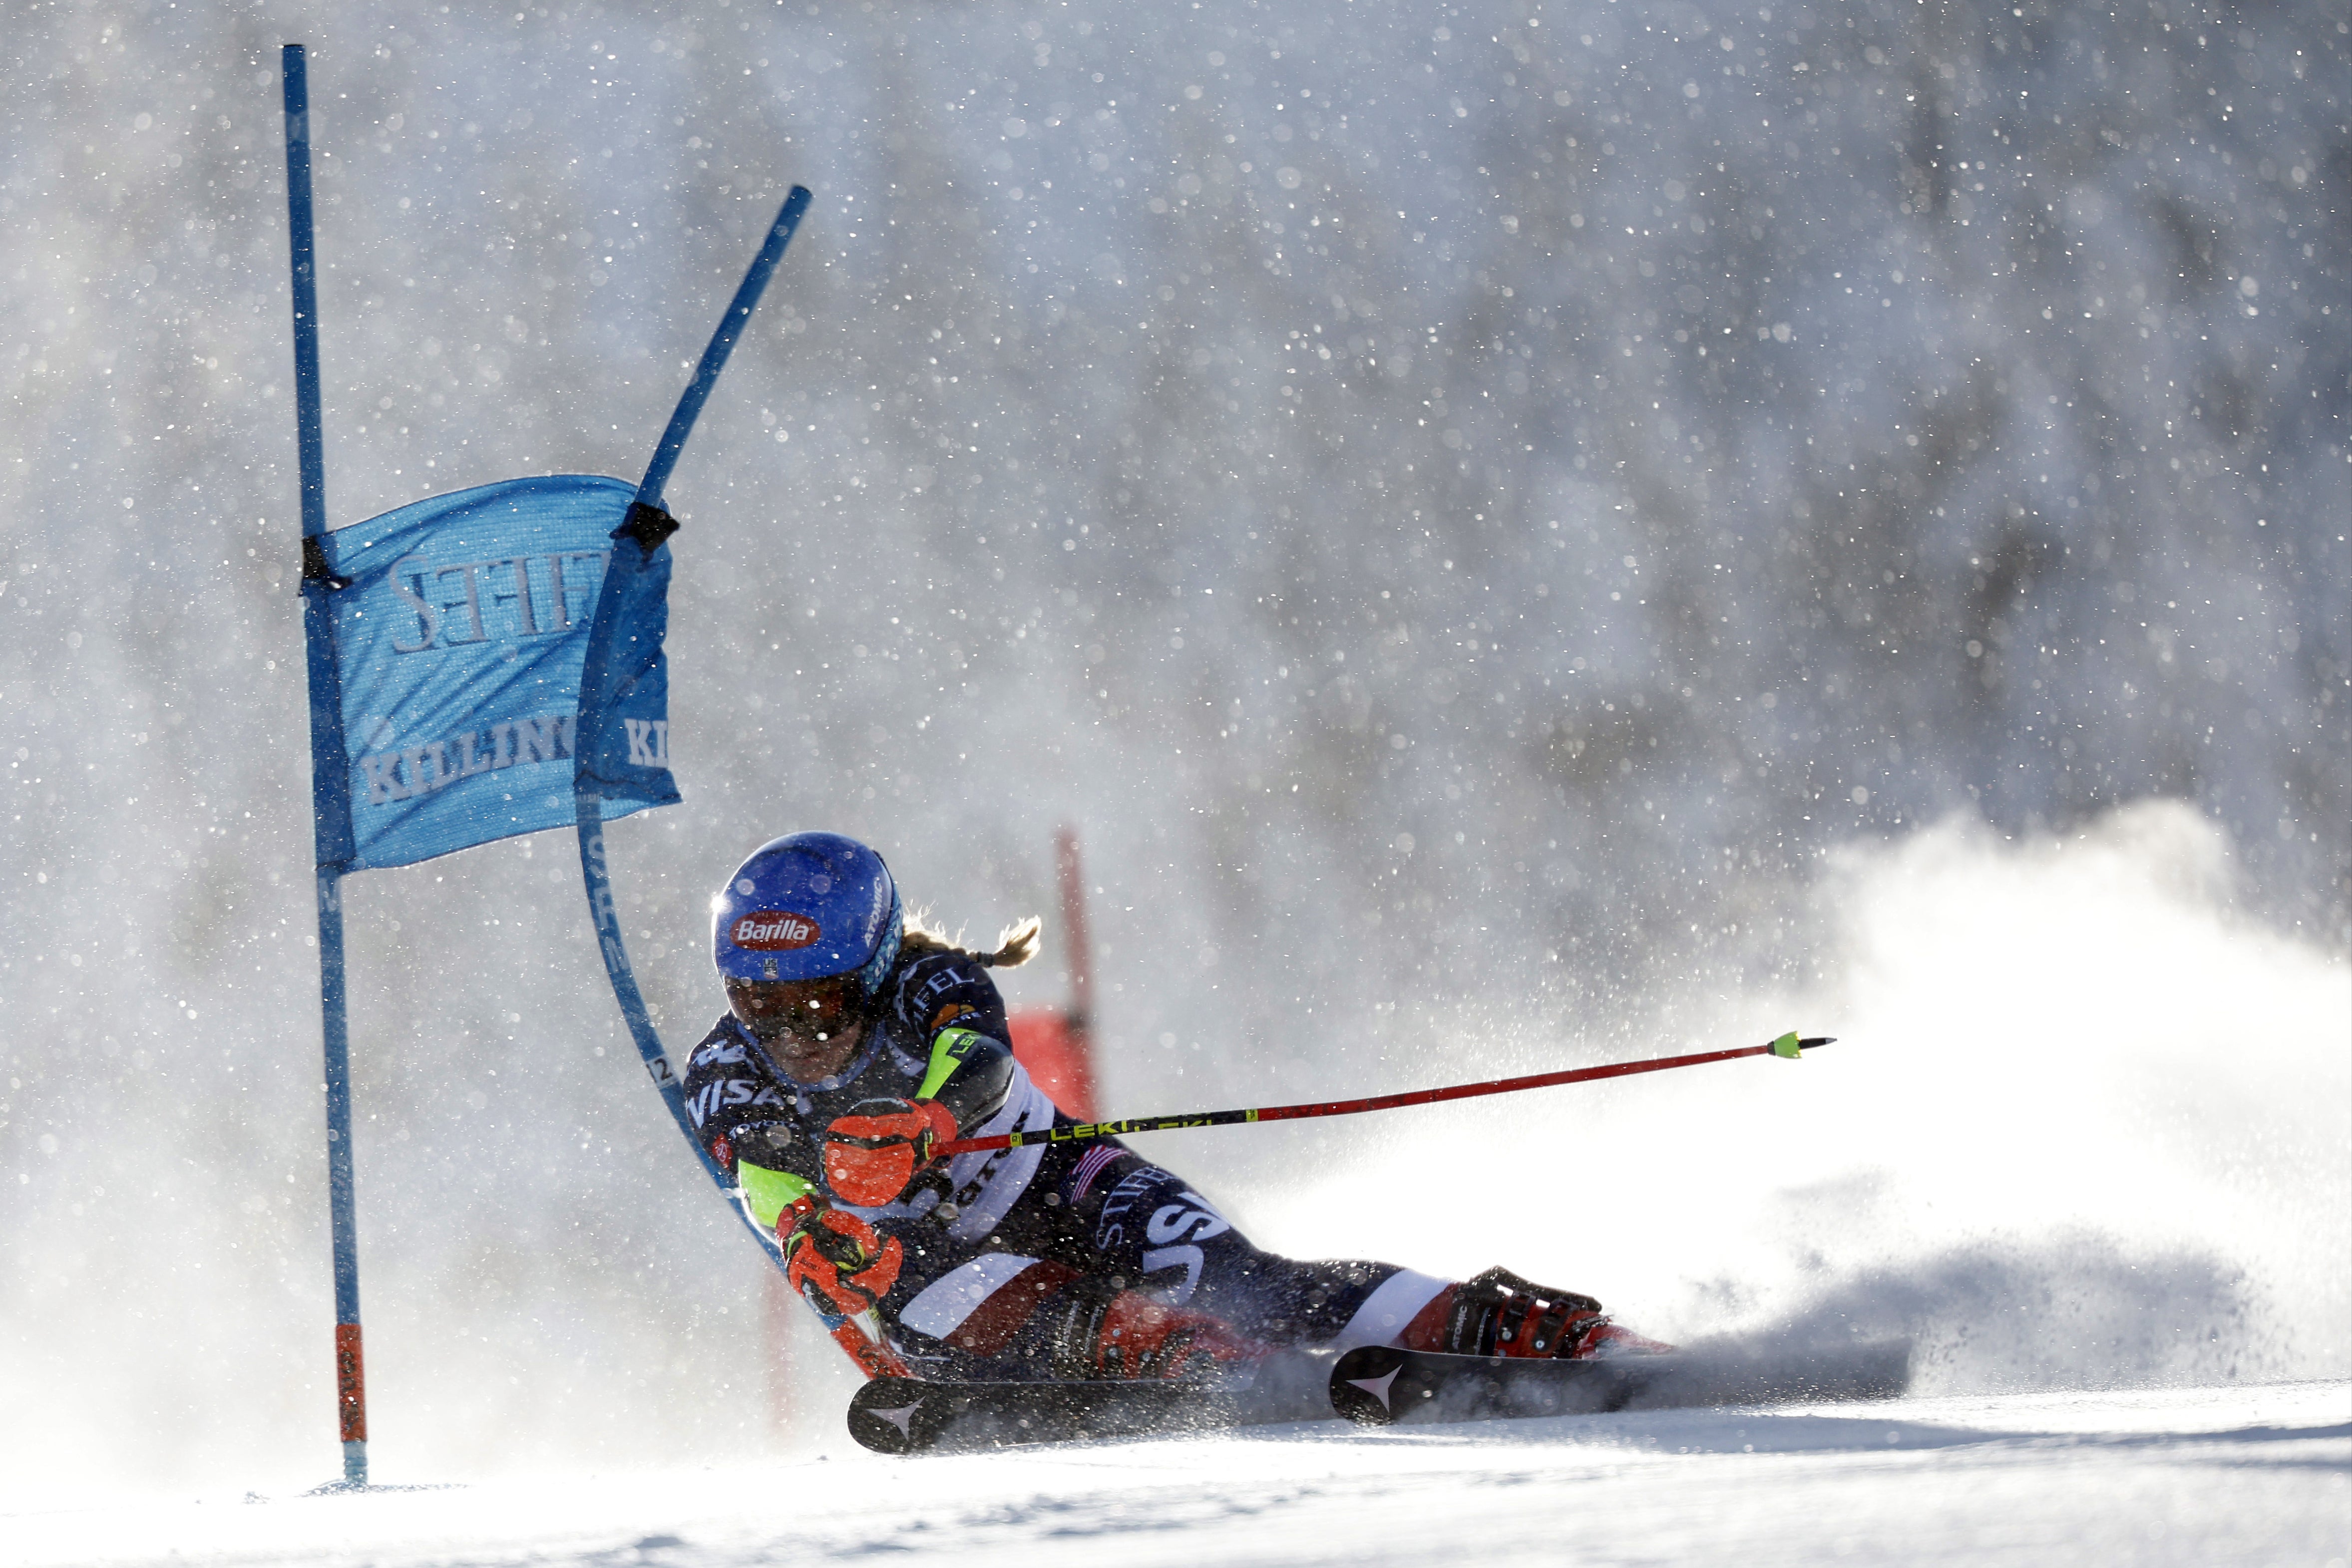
x=806, y=907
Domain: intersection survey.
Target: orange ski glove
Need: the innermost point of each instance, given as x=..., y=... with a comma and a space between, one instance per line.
x=872, y=1154
x=838, y=1257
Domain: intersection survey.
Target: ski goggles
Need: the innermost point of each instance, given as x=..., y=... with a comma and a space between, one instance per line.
x=806, y=1009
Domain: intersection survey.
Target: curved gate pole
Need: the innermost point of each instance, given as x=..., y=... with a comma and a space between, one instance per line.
x=634, y=545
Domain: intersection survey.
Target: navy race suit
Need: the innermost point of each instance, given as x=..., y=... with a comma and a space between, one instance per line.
x=995, y=1242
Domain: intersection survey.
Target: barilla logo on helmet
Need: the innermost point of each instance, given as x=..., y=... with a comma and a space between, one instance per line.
x=773, y=931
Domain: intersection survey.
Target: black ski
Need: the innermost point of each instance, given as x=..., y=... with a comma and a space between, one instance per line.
x=907, y=1415
x=1377, y=1385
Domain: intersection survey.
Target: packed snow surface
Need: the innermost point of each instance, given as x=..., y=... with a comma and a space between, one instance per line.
x=2251, y=1476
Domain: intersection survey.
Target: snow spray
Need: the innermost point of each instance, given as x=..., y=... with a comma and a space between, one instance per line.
x=2093, y=1131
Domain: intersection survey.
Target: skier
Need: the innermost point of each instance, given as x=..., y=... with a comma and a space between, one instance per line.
x=856, y=1041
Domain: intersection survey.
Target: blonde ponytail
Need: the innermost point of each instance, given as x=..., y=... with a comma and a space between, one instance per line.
x=1016, y=944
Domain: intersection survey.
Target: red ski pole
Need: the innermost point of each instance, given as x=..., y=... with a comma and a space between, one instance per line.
x=1788, y=1045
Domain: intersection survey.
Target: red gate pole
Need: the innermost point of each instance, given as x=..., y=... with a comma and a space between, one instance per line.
x=1080, y=1019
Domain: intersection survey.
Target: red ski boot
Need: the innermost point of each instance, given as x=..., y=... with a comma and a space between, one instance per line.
x=1132, y=1335
x=1498, y=1313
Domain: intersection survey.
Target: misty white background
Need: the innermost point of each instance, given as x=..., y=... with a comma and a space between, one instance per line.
x=1517, y=534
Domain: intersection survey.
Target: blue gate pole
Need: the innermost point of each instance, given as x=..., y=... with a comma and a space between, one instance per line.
x=632, y=549
x=330, y=808
x=722, y=344
x=351, y=1371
